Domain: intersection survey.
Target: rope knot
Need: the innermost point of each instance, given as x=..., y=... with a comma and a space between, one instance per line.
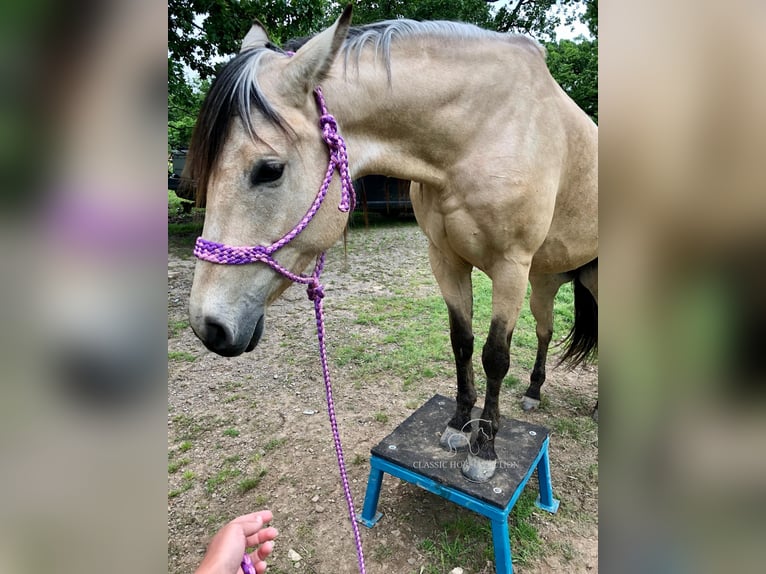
x=329, y=128
x=315, y=290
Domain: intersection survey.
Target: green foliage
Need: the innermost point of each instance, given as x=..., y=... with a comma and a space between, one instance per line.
x=574, y=65
x=473, y=11
x=204, y=33
x=175, y=203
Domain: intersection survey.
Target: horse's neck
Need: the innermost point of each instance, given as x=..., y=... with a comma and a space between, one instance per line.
x=391, y=128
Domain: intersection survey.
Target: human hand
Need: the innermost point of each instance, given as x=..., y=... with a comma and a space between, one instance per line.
x=225, y=551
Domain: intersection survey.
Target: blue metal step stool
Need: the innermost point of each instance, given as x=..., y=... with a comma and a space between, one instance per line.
x=412, y=453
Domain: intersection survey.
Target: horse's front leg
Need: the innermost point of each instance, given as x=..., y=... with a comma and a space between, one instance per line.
x=454, y=278
x=508, y=290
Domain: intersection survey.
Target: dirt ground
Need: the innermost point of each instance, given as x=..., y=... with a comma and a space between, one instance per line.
x=251, y=432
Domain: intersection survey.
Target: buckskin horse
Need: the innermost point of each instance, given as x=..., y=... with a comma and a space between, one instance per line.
x=507, y=169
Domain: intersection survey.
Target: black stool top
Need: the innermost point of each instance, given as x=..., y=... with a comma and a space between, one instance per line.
x=517, y=445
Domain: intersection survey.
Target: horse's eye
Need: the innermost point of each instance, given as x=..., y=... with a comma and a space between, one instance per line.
x=266, y=172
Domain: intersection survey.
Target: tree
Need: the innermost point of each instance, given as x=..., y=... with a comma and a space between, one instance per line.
x=574, y=65
x=201, y=32
x=472, y=11
x=536, y=18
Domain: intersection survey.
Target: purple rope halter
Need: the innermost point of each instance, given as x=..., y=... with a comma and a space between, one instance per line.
x=228, y=255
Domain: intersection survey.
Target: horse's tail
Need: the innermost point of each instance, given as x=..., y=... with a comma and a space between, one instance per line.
x=582, y=341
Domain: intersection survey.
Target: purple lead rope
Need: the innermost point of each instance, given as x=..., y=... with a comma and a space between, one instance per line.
x=230, y=255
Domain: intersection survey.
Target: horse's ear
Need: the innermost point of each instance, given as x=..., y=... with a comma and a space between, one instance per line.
x=257, y=37
x=311, y=63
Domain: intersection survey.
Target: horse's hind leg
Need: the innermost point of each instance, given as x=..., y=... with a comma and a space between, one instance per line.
x=544, y=289
x=508, y=289
x=454, y=279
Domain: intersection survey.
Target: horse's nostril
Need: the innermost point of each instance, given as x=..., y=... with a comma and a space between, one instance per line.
x=217, y=336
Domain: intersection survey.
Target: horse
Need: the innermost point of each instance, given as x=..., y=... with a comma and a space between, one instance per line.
x=580, y=343
x=506, y=165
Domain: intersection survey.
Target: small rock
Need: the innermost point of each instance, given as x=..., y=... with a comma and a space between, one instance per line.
x=457, y=570
x=315, y=498
x=395, y=532
x=319, y=508
x=411, y=561
x=309, y=412
x=294, y=556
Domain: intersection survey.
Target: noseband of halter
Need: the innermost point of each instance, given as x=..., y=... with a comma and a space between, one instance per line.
x=236, y=255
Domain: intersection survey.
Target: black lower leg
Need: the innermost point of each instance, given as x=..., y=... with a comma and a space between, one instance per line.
x=496, y=360
x=461, y=335
x=537, y=378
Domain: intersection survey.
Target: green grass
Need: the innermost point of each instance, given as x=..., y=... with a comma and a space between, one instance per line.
x=176, y=327
x=188, y=481
x=188, y=428
x=381, y=417
x=221, y=477
x=184, y=446
x=409, y=337
x=359, y=459
x=466, y=540
x=181, y=356
x=175, y=203
x=580, y=429
x=274, y=444
x=174, y=466
x=231, y=432
x=250, y=483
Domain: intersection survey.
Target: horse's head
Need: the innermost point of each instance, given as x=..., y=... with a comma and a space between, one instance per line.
x=258, y=160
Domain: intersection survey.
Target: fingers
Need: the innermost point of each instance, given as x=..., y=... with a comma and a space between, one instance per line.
x=262, y=536
x=264, y=550
x=259, y=556
x=265, y=516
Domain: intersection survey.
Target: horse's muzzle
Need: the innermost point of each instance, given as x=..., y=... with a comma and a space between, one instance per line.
x=223, y=340
x=256, y=334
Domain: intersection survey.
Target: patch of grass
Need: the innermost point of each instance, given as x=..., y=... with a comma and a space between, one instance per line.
x=188, y=481
x=525, y=542
x=261, y=500
x=232, y=459
x=382, y=553
x=274, y=444
x=220, y=478
x=231, y=432
x=176, y=327
x=232, y=385
x=465, y=540
x=181, y=356
x=408, y=337
x=177, y=491
x=576, y=428
x=511, y=381
x=359, y=460
x=188, y=428
x=174, y=466
x=250, y=483
x=233, y=398
x=381, y=417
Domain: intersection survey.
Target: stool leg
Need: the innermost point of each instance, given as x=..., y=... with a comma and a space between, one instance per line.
x=501, y=540
x=369, y=516
x=545, y=500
